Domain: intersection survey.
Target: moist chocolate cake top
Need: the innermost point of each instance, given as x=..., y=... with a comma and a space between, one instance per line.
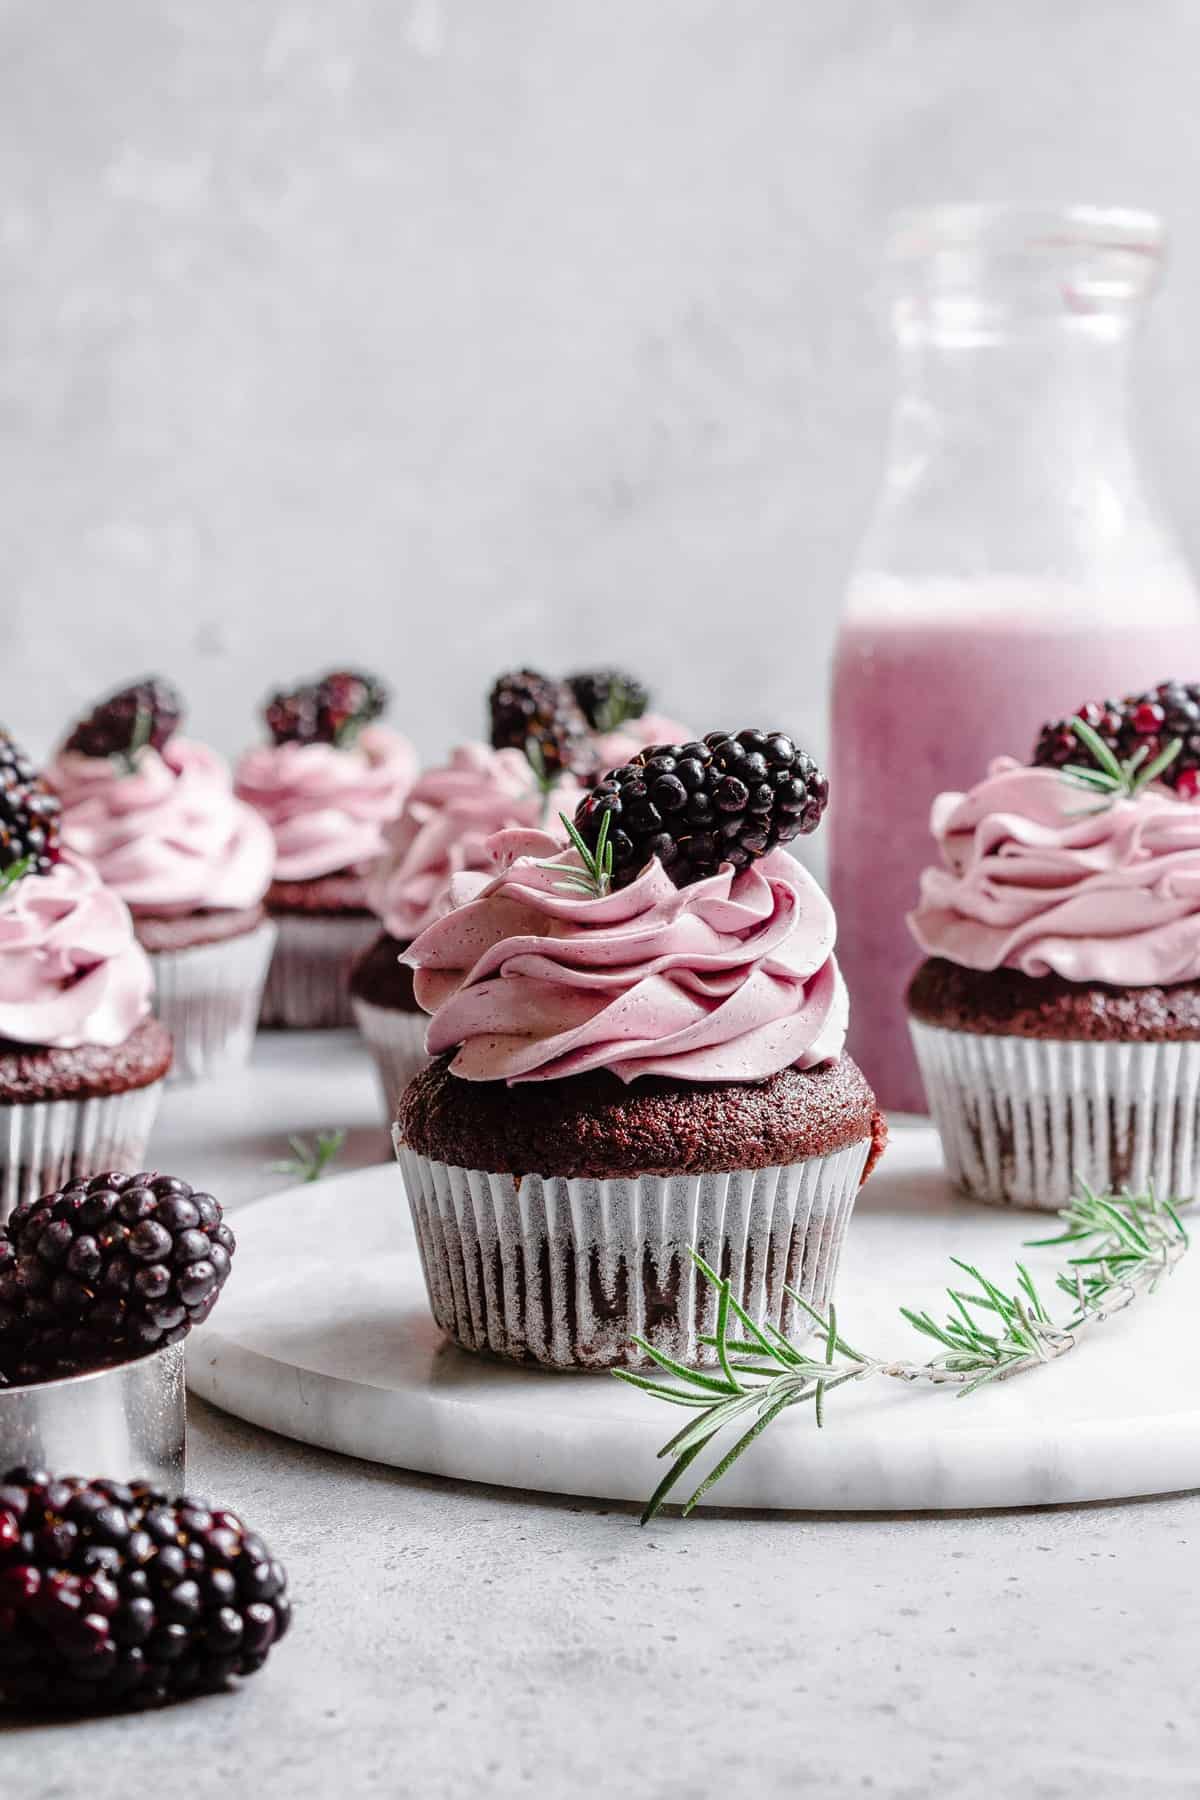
x=594, y=1125
x=1008, y=1003
x=340, y=895
x=380, y=978
x=31, y=1072
x=183, y=931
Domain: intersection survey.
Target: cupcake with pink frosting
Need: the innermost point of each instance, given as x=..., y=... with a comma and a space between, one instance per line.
x=1056, y=1017
x=155, y=814
x=634, y=1056
x=82, y=1061
x=328, y=786
x=451, y=813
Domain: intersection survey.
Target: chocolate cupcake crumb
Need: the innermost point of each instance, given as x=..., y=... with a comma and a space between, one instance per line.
x=593, y=1125
x=1008, y=1003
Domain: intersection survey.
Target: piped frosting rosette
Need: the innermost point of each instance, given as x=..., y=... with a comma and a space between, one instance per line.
x=444, y=831
x=71, y=971
x=730, y=979
x=1036, y=877
x=328, y=805
x=168, y=835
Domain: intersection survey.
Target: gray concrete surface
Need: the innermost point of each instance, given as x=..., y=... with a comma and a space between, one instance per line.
x=440, y=333
x=455, y=1642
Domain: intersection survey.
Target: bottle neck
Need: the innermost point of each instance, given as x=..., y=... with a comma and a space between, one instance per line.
x=1041, y=410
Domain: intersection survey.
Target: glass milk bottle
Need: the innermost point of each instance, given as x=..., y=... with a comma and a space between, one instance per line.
x=1016, y=564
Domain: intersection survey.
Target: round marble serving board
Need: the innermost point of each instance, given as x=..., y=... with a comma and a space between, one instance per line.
x=324, y=1335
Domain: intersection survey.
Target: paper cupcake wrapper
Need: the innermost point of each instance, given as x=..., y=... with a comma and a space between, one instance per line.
x=209, y=996
x=48, y=1142
x=1023, y=1119
x=308, y=986
x=396, y=1041
x=566, y=1272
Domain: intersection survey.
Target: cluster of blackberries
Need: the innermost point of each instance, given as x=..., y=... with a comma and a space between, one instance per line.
x=147, y=713
x=696, y=806
x=29, y=813
x=113, y=1595
x=105, y=1270
x=608, y=697
x=331, y=710
x=542, y=718
x=1147, y=722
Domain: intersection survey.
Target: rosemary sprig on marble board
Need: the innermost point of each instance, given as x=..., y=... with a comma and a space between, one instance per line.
x=1126, y=1244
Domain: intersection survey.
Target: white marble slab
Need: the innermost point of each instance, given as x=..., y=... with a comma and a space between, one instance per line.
x=324, y=1335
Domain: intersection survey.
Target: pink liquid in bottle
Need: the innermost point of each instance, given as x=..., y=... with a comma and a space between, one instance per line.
x=921, y=704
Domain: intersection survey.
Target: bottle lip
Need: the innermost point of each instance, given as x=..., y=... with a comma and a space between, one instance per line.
x=920, y=232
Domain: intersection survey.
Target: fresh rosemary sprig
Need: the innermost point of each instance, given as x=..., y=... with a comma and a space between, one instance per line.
x=1127, y=1245
x=15, y=872
x=595, y=877
x=309, y=1161
x=619, y=705
x=547, y=779
x=1112, y=779
x=139, y=737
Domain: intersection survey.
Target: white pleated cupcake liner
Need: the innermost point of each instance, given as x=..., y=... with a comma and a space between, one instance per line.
x=396, y=1040
x=209, y=997
x=308, y=986
x=45, y=1143
x=565, y=1272
x=1023, y=1119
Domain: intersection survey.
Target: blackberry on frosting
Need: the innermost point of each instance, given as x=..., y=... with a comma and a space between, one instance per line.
x=146, y=713
x=695, y=806
x=330, y=710
x=1142, y=725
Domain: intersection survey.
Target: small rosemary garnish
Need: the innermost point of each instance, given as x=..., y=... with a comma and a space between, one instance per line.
x=619, y=705
x=1112, y=779
x=15, y=872
x=143, y=729
x=309, y=1161
x=1129, y=1244
x=595, y=877
x=547, y=779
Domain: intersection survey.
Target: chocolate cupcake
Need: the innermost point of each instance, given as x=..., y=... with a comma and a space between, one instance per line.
x=81, y=1060
x=155, y=813
x=327, y=785
x=450, y=814
x=628, y=1071
x=1057, y=1017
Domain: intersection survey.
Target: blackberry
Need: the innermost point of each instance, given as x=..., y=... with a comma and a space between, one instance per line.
x=29, y=813
x=695, y=806
x=106, y=1269
x=115, y=1596
x=330, y=710
x=608, y=697
x=1146, y=722
x=529, y=712
x=147, y=712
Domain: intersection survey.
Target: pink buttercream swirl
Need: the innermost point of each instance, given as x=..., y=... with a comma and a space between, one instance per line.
x=71, y=970
x=730, y=979
x=1037, y=878
x=449, y=816
x=326, y=806
x=616, y=748
x=168, y=835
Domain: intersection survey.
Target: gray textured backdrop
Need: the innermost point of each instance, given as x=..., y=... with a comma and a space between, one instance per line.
x=439, y=333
